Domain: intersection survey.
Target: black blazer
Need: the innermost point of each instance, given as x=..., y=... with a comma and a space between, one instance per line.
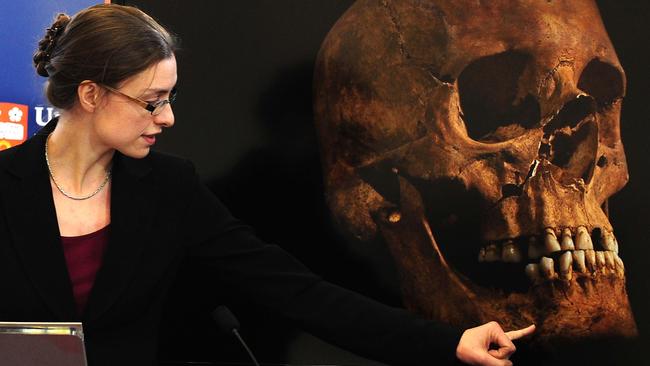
x=161, y=214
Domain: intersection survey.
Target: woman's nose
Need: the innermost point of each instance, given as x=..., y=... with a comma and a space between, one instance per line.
x=166, y=117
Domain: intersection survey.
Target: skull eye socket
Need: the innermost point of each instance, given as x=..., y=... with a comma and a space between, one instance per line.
x=602, y=81
x=488, y=87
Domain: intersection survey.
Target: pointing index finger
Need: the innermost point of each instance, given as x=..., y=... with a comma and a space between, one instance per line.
x=516, y=334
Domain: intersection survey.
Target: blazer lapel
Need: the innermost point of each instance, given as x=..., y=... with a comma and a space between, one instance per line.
x=31, y=217
x=132, y=211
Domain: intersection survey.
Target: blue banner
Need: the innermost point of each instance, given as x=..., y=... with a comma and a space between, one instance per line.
x=23, y=107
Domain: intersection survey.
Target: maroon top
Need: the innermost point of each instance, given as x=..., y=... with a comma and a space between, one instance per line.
x=83, y=255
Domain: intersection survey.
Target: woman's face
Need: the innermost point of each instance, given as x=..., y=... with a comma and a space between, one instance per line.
x=124, y=125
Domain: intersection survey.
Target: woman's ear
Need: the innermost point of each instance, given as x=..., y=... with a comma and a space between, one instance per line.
x=89, y=93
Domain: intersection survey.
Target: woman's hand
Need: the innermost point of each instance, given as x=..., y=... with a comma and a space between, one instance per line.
x=474, y=345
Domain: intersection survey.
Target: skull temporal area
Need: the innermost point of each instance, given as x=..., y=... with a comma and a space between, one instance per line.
x=480, y=141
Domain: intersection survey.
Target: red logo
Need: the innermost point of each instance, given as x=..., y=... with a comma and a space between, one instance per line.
x=13, y=124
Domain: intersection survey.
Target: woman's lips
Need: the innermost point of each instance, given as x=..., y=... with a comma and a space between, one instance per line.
x=149, y=139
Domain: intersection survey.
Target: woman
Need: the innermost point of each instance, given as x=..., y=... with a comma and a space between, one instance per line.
x=115, y=220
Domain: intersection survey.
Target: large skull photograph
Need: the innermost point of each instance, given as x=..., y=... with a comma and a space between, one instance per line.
x=480, y=141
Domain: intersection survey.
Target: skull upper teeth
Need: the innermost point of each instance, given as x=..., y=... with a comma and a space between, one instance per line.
x=550, y=241
x=492, y=253
x=567, y=241
x=562, y=258
x=510, y=249
x=511, y=252
x=609, y=242
x=583, y=240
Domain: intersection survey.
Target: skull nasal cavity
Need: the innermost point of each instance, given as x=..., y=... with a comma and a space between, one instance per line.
x=492, y=108
x=575, y=152
x=571, y=114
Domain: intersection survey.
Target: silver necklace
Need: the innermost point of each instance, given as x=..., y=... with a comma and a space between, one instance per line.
x=63, y=192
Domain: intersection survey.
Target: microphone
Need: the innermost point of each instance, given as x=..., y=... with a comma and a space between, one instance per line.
x=227, y=323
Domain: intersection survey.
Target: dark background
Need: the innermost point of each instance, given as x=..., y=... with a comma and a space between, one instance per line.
x=244, y=117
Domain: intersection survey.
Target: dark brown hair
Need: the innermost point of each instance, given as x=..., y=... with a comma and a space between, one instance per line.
x=105, y=43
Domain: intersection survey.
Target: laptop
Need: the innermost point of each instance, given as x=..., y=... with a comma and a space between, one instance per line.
x=42, y=344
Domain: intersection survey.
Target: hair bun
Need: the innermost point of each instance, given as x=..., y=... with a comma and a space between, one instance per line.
x=48, y=43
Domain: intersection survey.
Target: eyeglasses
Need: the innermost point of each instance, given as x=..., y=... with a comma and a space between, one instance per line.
x=154, y=108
